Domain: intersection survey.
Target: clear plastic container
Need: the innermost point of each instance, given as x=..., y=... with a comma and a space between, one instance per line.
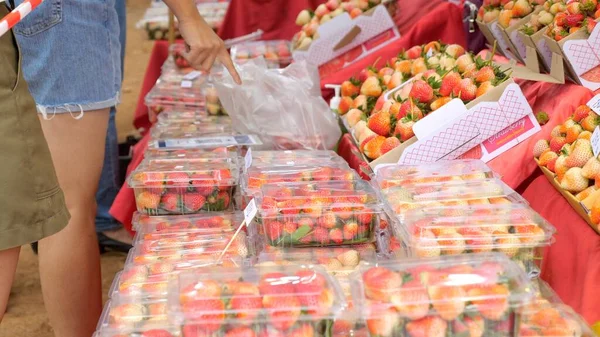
x=514, y=230
x=452, y=193
x=170, y=116
x=338, y=261
x=148, y=281
x=293, y=157
x=145, y=224
x=125, y=316
x=448, y=296
x=155, y=151
x=277, y=53
x=314, y=214
x=281, y=301
x=183, y=186
x=200, y=142
x=184, y=130
x=205, y=248
x=548, y=316
x=171, y=95
x=456, y=170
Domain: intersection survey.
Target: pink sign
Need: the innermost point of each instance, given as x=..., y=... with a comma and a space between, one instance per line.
x=509, y=134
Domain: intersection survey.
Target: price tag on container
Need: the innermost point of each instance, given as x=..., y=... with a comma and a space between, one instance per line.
x=249, y=214
x=595, y=140
x=248, y=159
x=186, y=84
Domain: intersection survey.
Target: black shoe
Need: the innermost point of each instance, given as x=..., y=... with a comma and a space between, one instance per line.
x=107, y=244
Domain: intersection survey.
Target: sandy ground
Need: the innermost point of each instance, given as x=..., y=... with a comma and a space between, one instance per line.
x=26, y=315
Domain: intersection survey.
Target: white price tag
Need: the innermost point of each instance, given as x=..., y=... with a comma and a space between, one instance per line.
x=186, y=84
x=248, y=159
x=595, y=140
x=430, y=53
x=250, y=212
x=594, y=104
x=192, y=75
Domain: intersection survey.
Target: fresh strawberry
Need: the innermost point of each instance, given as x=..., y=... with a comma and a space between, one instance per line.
x=148, y=200
x=404, y=129
x=547, y=157
x=411, y=300
x=595, y=212
x=466, y=90
x=521, y=8
x=540, y=147
x=491, y=301
x=410, y=110
x=485, y=74
x=418, y=67
x=421, y=92
x=156, y=333
x=171, y=202
x=484, y=88
x=304, y=330
x=454, y=50
x=404, y=67
x=414, y=52
x=589, y=25
x=463, y=62
x=590, y=122
x=389, y=144
x=350, y=88
x=346, y=104
x=430, y=326
x=384, y=323
x=574, y=20
x=245, y=307
x=449, y=82
x=447, y=301
x=380, y=123
x=556, y=132
x=321, y=235
x=380, y=283
x=440, y=102
x=451, y=243
x=471, y=325
x=573, y=133
x=273, y=229
x=350, y=258
x=210, y=311
x=574, y=181
x=240, y=332
x=582, y=152
x=581, y=112
x=372, y=148
x=371, y=87
x=573, y=7
x=556, y=143
x=591, y=169
x=284, y=312
x=193, y=202
x=560, y=167
x=505, y=17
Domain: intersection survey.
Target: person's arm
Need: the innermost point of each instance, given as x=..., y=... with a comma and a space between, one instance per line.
x=205, y=46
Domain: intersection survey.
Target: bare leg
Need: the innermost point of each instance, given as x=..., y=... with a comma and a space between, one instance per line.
x=70, y=260
x=8, y=265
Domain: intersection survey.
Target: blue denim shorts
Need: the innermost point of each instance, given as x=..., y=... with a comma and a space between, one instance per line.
x=71, y=55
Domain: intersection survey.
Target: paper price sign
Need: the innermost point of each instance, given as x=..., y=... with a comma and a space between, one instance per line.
x=250, y=212
x=594, y=104
x=595, y=140
x=248, y=159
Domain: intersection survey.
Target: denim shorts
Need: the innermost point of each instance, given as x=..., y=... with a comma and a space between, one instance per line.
x=71, y=55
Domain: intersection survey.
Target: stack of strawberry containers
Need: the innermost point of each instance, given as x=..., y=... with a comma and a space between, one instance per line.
x=187, y=217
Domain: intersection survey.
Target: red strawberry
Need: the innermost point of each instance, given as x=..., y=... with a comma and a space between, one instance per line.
x=440, y=102
x=148, y=201
x=304, y=330
x=409, y=109
x=321, y=235
x=273, y=229
x=384, y=323
x=556, y=143
x=171, y=202
x=414, y=52
x=223, y=199
x=246, y=307
x=389, y=144
x=372, y=148
x=284, y=312
x=490, y=301
x=466, y=90
x=371, y=87
x=430, y=326
x=574, y=20
x=485, y=74
x=411, y=300
x=484, y=88
x=346, y=104
x=404, y=129
x=449, y=82
x=380, y=283
x=193, y=202
x=380, y=123
x=349, y=88
x=336, y=235
x=210, y=312
x=581, y=112
x=421, y=92
x=177, y=179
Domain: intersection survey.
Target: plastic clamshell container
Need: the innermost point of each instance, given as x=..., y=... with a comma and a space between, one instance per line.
x=145, y=224
x=125, y=316
x=338, y=261
x=184, y=129
x=452, y=193
x=205, y=248
x=323, y=213
x=457, y=170
x=155, y=151
x=215, y=142
x=183, y=186
x=448, y=296
x=277, y=53
x=514, y=230
x=293, y=157
x=260, y=301
x=548, y=316
x=170, y=116
x=147, y=281
x=255, y=177
x=170, y=95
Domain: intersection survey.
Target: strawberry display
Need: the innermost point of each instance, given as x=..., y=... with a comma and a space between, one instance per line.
x=310, y=20
x=423, y=79
x=452, y=296
x=514, y=10
x=545, y=17
x=277, y=52
x=319, y=213
x=183, y=186
x=515, y=230
x=456, y=170
x=283, y=301
x=450, y=193
x=573, y=16
x=490, y=10
x=570, y=158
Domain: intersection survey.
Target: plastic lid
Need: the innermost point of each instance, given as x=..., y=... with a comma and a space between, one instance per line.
x=188, y=129
x=255, y=177
x=452, y=193
x=199, y=140
x=131, y=316
x=456, y=170
x=275, y=51
x=276, y=297
x=199, y=249
x=183, y=173
x=434, y=291
x=172, y=94
x=171, y=116
x=291, y=158
x=457, y=230
x=313, y=198
x=145, y=224
x=173, y=153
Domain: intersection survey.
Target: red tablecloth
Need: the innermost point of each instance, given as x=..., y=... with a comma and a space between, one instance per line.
x=572, y=264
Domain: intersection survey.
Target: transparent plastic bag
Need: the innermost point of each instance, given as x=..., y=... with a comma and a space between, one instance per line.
x=284, y=107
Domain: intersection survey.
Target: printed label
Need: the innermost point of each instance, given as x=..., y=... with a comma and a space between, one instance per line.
x=250, y=212
x=595, y=140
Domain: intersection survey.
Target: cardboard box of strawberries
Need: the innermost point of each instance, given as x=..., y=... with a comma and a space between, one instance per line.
x=568, y=159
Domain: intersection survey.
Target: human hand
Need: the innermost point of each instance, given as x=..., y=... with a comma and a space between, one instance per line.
x=205, y=47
